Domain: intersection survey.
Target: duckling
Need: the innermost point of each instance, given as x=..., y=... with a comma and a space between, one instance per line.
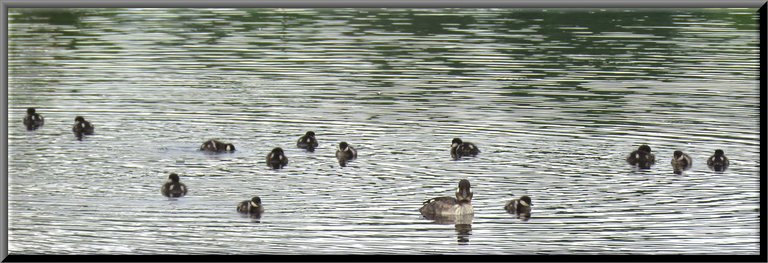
x=718, y=162
x=519, y=206
x=252, y=206
x=681, y=162
x=33, y=120
x=172, y=187
x=449, y=206
x=82, y=127
x=276, y=158
x=308, y=141
x=642, y=157
x=217, y=146
x=460, y=148
x=345, y=153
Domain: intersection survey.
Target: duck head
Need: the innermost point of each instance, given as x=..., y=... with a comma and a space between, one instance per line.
x=677, y=155
x=463, y=193
x=255, y=201
x=456, y=142
x=173, y=177
x=343, y=146
x=525, y=201
x=644, y=148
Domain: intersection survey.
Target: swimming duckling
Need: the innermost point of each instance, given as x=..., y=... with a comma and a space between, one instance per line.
x=718, y=162
x=681, y=162
x=308, y=141
x=276, y=158
x=345, y=153
x=449, y=206
x=252, y=206
x=460, y=148
x=642, y=157
x=217, y=146
x=519, y=206
x=33, y=120
x=82, y=127
x=172, y=187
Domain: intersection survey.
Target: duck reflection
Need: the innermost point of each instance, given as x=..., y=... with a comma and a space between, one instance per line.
x=462, y=224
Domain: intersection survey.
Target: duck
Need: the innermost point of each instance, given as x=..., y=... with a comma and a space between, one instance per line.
x=276, y=158
x=33, y=120
x=213, y=145
x=642, y=157
x=172, y=187
x=82, y=127
x=718, y=162
x=345, y=153
x=461, y=148
x=519, y=206
x=681, y=161
x=450, y=206
x=252, y=206
x=308, y=141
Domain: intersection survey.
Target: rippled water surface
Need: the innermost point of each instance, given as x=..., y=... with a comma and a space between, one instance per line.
x=555, y=99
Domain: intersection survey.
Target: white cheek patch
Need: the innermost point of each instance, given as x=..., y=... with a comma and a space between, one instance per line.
x=524, y=203
x=254, y=204
x=280, y=157
x=637, y=156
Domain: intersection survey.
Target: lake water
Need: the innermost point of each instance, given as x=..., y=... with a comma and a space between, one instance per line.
x=555, y=99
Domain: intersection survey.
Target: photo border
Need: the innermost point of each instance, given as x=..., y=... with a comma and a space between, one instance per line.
x=759, y=7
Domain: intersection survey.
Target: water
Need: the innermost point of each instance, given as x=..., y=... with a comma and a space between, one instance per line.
x=555, y=99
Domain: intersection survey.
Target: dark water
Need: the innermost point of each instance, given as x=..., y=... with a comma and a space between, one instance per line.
x=555, y=99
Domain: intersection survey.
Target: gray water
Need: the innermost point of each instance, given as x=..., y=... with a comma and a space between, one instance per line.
x=555, y=99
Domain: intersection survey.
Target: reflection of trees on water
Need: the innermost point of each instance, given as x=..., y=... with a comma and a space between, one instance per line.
x=575, y=42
